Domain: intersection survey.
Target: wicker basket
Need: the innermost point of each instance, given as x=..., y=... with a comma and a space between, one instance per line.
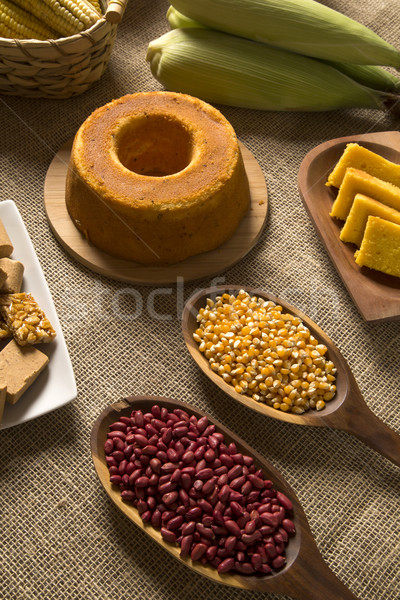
x=59, y=68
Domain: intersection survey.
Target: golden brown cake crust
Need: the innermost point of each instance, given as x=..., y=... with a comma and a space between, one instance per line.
x=156, y=177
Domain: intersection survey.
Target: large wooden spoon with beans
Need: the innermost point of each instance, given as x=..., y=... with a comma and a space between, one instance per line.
x=346, y=411
x=304, y=576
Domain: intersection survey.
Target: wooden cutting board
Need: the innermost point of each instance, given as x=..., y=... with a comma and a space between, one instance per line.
x=376, y=295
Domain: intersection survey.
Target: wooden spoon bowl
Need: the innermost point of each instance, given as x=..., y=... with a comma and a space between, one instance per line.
x=347, y=410
x=305, y=575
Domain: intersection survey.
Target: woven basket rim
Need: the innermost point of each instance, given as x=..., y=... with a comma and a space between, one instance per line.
x=32, y=43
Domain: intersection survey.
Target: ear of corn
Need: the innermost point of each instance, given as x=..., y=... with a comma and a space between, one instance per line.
x=225, y=69
x=16, y=23
x=302, y=26
x=177, y=19
x=65, y=17
x=371, y=76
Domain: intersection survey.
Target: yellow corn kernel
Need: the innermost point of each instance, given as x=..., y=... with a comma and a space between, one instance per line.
x=17, y=23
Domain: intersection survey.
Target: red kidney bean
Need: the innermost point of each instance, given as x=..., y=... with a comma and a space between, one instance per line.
x=108, y=446
x=234, y=472
x=250, y=526
x=141, y=440
x=246, y=568
x=170, y=497
x=189, y=470
x=198, y=551
x=194, y=513
x=236, y=508
x=115, y=479
x=284, y=535
x=204, y=474
x=188, y=457
x=167, y=535
x=270, y=550
x=237, y=482
x=186, y=481
x=204, y=505
x=232, y=526
x=150, y=450
x=224, y=493
x=222, y=480
x=238, y=458
x=166, y=487
x=128, y=495
x=284, y=500
x=116, y=434
x=265, y=569
x=226, y=565
x=175, y=522
x=278, y=562
x=142, y=481
x=289, y=526
x=256, y=481
x=202, y=424
x=235, y=496
x=269, y=519
x=251, y=538
x=209, y=430
x=208, y=487
x=266, y=530
x=280, y=547
x=253, y=496
x=186, y=544
x=122, y=466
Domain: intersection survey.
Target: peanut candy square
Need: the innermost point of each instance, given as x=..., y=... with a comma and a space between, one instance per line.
x=25, y=319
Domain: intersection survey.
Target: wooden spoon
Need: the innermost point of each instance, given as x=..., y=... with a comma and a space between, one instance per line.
x=347, y=411
x=305, y=575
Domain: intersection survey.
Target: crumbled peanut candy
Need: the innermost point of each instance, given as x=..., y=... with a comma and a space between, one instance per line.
x=5, y=331
x=25, y=319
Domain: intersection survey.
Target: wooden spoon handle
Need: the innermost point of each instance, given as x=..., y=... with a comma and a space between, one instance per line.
x=360, y=421
x=310, y=578
x=376, y=434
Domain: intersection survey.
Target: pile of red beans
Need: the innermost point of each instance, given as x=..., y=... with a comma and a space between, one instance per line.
x=201, y=493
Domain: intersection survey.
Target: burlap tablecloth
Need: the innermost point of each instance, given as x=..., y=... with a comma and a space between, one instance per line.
x=61, y=538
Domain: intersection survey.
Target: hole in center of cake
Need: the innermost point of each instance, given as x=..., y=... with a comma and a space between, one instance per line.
x=154, y=145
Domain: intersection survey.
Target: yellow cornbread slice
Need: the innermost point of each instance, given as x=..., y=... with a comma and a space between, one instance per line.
x=361, y=158
x=362, y=208
x=380, y=247
x=360, y=182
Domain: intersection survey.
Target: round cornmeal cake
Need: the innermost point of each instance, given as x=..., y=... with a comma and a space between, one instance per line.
x=156, y=177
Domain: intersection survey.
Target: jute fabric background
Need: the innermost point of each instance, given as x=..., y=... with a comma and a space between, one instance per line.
x=60, y=536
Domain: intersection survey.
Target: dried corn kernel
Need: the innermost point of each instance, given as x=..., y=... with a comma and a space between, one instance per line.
x=273, y=357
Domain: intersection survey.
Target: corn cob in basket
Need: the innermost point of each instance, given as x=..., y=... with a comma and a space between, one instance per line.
x=46, y=19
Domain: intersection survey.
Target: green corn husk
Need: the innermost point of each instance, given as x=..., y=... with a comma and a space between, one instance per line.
x=371, y=76
x=226, y=69
x=302, y=26
x=177, y=20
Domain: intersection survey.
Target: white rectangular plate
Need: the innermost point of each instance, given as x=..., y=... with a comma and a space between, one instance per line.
x=56, y=385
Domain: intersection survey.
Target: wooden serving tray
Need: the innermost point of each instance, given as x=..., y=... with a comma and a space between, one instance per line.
x=376, y=295
x=196, y=267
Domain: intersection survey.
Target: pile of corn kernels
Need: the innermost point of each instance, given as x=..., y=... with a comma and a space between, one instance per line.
x=265, y=353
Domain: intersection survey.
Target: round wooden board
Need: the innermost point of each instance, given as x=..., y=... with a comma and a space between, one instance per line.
x=195, y=267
